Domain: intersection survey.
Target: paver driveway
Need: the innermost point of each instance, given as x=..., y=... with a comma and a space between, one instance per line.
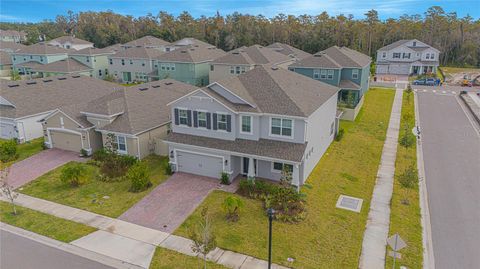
x=29, y=169
x=170, y=203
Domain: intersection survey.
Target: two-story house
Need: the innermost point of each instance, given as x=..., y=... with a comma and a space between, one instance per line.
x=25, y=59
x=407, y=57
x=133, y=64
x=189, y=64
x=255, y=124
x=342, y=67
x=288, y=50
x=95, y=59
x=149, y=42
x=13, y=36
x=243, y=59
x=70, y=42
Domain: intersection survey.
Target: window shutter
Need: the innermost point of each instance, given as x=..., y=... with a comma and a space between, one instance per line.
x=195, y=123
x=214, y=121
x=229, y=123
x=209, y=121
x=189, y=118
x=177, y=118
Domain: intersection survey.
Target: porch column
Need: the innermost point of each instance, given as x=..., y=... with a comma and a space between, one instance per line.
x=251, y=168
x=296, y=175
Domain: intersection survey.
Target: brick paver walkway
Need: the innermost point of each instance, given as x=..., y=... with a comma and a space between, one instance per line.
x=29, y=169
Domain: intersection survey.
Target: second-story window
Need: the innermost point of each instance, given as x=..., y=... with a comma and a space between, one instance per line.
x=323, y=74
x=202, y=119
x=246, y=124
x=88, y=59
x=431, y=56
x=123, y=61
x=316, y=73
x=111, y=61
x=384, y=55
x=183, y=116
x=427, y=56
x=232, y=70
x=212, y=68
x=406, y=55
x=281, y=127
x=396, y=55
x=131, y=61
x=222, y=122
x=237, y=70
x=242, y=69
x=330, y=74
x=354, y=73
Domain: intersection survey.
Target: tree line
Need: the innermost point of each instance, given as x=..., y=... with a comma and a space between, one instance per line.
x=457, y=38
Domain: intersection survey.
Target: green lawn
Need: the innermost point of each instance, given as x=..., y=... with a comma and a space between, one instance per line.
x=50, y=187
x=26, y=150
x=328, y=237
x=405, y=219
x=168, y=259
x=44, y=224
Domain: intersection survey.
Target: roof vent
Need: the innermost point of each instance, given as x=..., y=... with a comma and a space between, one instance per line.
x=168, y=83
x=13, y=85
x=155, y=86
x=31, y=82
x=236, y=52
x=195, y=46
x=47, y=80
x=143, y=89
x=75, y=76
x=62, y=78
x=274, y=68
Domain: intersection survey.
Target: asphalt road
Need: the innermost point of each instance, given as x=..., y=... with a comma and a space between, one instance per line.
x=18, y=252
x=451, y=150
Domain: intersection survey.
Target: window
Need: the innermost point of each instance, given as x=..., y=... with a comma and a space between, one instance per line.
x=143, y=63
x=316, y=73
x=330, y=74
x=384, y=55
x=237, y=70
x=323, y=74
x=121, y=144
x=94, y=59
x=414, y=43
x=111, y=61
x=88, y=59
x=222, y=122
x=183, y=116
x=172, y=66
x=281, y=127
x=431, y=56
x=202, y=119
x=99, y=72
x=212, y=68
x=162, y=66
x=232, y=70
x=279, y=167
x=31, y=57
x=427, y=56
x=123, y=61
x=246, y=124
x=396, y=55
x=131, y=61
x=355, y=74
x=41, y=58
x=406, y=55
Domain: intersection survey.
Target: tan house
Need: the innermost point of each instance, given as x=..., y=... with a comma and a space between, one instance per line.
x=243, y=59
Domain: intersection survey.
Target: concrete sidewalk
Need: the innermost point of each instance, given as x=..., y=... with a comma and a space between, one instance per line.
x=132, y=232
x=376, y=232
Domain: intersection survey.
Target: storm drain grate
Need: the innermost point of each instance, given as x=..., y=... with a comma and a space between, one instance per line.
x=349, y=203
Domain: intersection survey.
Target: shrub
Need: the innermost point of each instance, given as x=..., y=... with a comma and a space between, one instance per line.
x=100, y=155
x=73, y=174
x=408, y=139
x=409, y=177
x=8, y=150
x=225, y=178
x=232, y=206
x=255, y=189
x=339, y=135
x=168, y=169
x=138, y=176
x=114, y=166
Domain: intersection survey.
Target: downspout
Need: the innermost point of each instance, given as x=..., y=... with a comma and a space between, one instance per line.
x=138, y=147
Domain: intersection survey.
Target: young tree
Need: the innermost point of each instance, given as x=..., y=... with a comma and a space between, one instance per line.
x=7, y=189
x=73, y=174
x=232, y=206
x=203, y=237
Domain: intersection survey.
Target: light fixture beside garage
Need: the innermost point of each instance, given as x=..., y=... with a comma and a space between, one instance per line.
x=226, y=162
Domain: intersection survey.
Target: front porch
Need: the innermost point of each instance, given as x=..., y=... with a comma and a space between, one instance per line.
x=422, y=69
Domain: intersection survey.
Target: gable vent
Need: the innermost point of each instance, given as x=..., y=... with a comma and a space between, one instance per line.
x=31, y=82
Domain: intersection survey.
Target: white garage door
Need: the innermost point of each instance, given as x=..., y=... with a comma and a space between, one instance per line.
x=66, y=141
x=199, y=164
x=7, y=131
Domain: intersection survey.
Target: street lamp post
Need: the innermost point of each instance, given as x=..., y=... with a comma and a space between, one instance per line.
x=270, y=213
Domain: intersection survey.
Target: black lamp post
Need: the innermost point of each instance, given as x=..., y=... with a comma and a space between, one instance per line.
x=270, y=213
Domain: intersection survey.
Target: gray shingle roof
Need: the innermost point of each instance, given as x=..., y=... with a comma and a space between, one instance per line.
x=12, y=33
x=145, y=105
x=30, y=64
x=147, y=41
x=252, y=55
x=192, y=54
x=188, y=41
x=42, y=49
x=279, y=91
x=41, y=95
x=394, y=44
x=92, y=51
x=10, y=46
x=68, y=65
x=138, y=53
x=5, y=58
x=263, y=147
x=288, y=50
x=335, y=57
x=73, y=40
x=348, y=85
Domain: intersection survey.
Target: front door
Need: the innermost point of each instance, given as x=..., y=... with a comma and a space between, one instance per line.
x=246, y=163
x=127, y=76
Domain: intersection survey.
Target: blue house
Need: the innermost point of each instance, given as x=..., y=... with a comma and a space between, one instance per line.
x=342, y=67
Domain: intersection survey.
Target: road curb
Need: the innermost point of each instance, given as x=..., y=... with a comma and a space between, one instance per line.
x=475, y=115
x=66, y=247
x=428, y=257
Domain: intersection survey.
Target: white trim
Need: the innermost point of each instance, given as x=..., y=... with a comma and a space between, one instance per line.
x=226, y=122
x=200, y=90
x=281, y=127
x=34, y=115
x=278, y=171
x=66, y=131
x=115, y=133
x=126, y=147
x=100, y=116
x=241, y=123
x=255, y=161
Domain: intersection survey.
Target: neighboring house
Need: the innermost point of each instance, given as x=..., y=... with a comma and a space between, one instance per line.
x=133, y=64
x=254, y=124
x=24, y=60
x=136, y=118
x=13, y=36
x=23, y=103
x=289, y=51
x=150, y=42
x=95, y=59
x=115, y=48
x=70, y=42
x=190, y=41
x=10, y=46
x=67, y=66
x=5, y=64
x=189, y=64
x=243, y=59
x=342, y=67
x=407, y=57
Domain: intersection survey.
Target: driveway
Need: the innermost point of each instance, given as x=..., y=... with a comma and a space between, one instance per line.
x=170, y=203
x=29, y=169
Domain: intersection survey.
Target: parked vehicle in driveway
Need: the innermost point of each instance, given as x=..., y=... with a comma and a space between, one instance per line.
x=425, y=81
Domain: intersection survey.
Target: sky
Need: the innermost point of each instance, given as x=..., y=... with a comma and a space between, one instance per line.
x=38, y=10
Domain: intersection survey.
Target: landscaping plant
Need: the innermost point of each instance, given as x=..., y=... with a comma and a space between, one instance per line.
x=203, y=237
x=8, y=150
x=232, y=206
x=225, y=178
x=168, y=169
x=73, y=174
x=138, y=176
x=339, y=135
